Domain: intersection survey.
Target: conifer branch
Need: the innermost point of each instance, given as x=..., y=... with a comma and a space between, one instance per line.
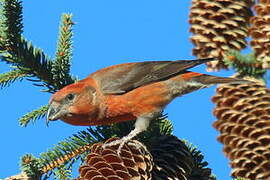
x=177, y=159
x=61, y=66
x=64, y=154
x=33, y=116
x=245, y=65
x=31, y=167
x=159, y=126
x=200, y=167
x=34, y=62
x=76, y=147
x=63, y=173
x=9, y=77
x=16, y=50
x=67, y=160
x=11, y=24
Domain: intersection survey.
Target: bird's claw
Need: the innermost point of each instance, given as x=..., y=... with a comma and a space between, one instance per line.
x=123, y=140
x=121, y=143
x=113, y=143
x=137, y=146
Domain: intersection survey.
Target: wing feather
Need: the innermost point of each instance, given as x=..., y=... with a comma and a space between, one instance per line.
x=120, y=79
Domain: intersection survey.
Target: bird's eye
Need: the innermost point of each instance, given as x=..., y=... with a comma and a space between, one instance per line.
x=70, y=97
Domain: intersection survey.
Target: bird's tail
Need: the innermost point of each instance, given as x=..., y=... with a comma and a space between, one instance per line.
x=195, y=81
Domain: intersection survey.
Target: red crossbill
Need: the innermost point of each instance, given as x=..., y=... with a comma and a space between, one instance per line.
x=127, y=92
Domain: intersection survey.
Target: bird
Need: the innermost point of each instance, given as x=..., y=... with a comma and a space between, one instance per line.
x=130, y=91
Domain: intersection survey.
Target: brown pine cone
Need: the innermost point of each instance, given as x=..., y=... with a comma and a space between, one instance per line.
x=260, y=32
x=243, y=113
x=105, y=164
x=218, y=26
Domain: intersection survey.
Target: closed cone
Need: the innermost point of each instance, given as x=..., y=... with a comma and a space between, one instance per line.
x=243, y=113
x=134, y=163
x=260, y=32
x=218, y=26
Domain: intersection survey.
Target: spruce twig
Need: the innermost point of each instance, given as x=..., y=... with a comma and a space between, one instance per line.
x=11, y=24
x=158, y=127
x=245, y=65
x=76, y=147
x=65, y=154
x=31, y=166
x=63, y=172
x=61, y=66
x=200, y=168
x=33, y=116
x=9, y=77
x=15, y=50
x=34, y=62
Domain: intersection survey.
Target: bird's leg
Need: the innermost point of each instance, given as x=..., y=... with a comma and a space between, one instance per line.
x=127, y=138
x=141, y=125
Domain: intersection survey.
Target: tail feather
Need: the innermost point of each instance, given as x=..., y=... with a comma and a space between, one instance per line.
x=195, y=81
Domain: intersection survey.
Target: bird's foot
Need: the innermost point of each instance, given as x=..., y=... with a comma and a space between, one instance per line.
x=122, y=141
x=119, y=142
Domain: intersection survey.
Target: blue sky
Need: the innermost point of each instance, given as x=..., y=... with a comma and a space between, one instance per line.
x=107, y=32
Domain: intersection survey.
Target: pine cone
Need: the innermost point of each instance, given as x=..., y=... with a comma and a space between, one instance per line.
x=260, y=32
x=218, y=26
x=173, y=160
x=105, y=164
x=243, y=113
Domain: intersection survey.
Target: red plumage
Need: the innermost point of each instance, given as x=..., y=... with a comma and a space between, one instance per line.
x=127, y=92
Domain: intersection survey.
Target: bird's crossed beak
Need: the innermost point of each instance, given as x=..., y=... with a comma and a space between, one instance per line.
x=54, y=112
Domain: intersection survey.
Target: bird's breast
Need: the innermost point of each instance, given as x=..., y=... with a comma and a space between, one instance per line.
x=140, y=101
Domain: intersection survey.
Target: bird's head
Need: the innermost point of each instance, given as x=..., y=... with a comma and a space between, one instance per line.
x=74, y=104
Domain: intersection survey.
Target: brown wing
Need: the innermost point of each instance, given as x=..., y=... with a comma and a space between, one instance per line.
x=122, y=78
